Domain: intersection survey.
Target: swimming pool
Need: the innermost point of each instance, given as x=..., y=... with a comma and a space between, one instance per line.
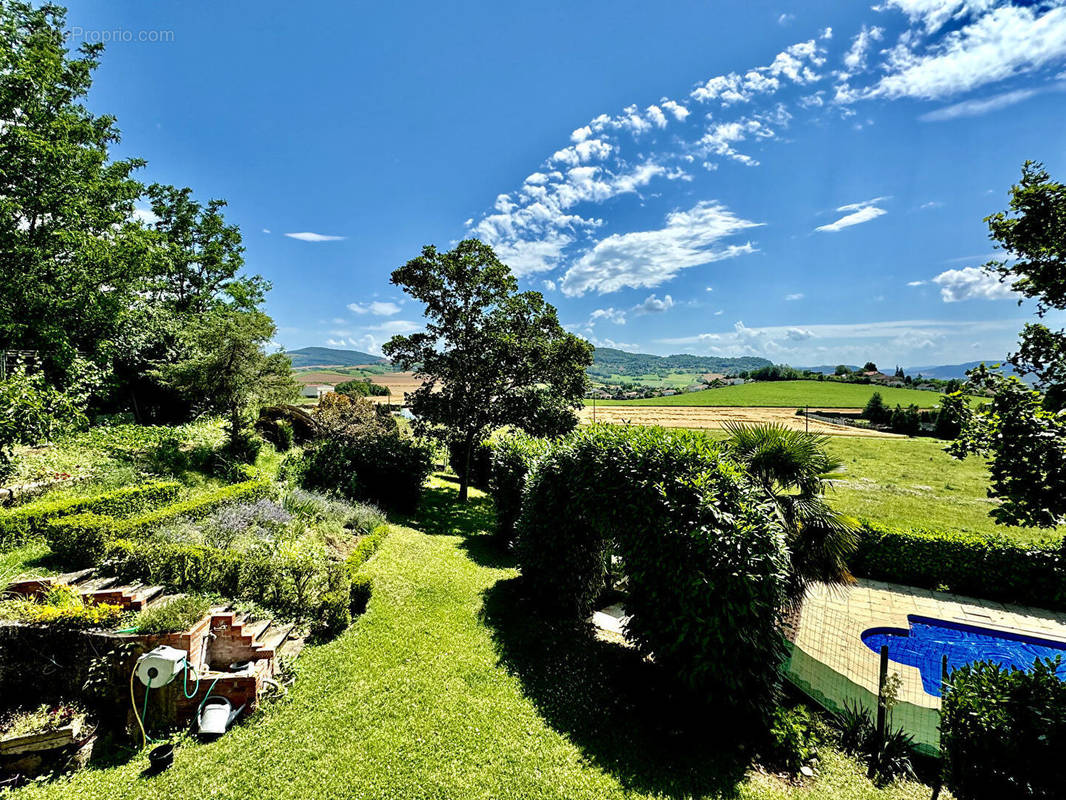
x=928, y=640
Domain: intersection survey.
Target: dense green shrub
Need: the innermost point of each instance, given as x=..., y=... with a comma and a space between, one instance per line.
x=793, y=740
x=79, y=539
x=513, y=456
x=333, y=614
x=178, y=614
x=480, y=461
x=361, y=388
x=359, y=585
x=1003, y=732
x=385, y=468
x=706, y=567
x=981, y=565
x=24, y=522
x=292, y=583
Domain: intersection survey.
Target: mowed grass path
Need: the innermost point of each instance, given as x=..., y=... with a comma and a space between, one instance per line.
x=446, y=689
x=782, y=394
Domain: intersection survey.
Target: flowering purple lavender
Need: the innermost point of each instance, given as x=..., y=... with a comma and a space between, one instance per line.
x=263, y=519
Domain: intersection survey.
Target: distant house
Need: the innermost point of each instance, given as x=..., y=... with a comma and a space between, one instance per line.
x=316, y=390
x=669, y=393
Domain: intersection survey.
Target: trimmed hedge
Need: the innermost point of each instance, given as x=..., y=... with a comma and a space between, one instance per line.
x=513, y=458
x=79, y=539
x=980, y=565
x=707, y=569
x=25, y=522
x=328, y=592
x=293, y=585
x=359, y=585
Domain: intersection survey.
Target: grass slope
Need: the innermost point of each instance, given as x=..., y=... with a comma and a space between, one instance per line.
x=914, y=482
x=783, y=394
x=446, y=689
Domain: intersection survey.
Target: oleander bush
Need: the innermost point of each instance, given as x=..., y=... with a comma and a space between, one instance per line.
x=706, y=568
x=1003, y=732
x=21, y=523
x=513, y=457
x=976, y=564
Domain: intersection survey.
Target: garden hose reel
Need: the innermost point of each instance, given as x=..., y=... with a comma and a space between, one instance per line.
x=160, y=666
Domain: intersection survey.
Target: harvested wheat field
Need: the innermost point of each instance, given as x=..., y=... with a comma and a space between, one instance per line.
x=713, y=416
x=398, y=383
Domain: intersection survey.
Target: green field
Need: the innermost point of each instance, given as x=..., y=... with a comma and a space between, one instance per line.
x=448, y=688
x=913, y=482
x=785, y=394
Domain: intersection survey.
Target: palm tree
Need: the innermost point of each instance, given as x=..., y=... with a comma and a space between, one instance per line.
x=791, y=469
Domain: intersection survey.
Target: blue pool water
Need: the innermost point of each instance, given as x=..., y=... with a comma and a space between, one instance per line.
x=928, y=639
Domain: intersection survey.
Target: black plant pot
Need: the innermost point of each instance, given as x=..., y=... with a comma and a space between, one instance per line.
x=161, y=757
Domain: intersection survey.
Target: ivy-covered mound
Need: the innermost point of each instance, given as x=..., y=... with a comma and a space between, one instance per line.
x=706, y=567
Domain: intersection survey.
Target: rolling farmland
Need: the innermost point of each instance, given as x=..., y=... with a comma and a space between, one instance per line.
x=789, y=394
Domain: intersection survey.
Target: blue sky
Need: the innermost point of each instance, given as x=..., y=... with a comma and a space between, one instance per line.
x=800, y=181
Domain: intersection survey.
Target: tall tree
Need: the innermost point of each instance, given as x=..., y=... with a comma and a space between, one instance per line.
x=197, y=255
x=68, y=243
x=1022, y=432
x=490, y=355
x=227, y=369
x=790, y=468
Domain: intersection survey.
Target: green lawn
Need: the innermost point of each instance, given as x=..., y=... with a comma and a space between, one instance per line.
x=785, y=394
x=445, y=688
x=914, y=482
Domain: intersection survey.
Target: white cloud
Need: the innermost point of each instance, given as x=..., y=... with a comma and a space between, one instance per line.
x=653, y=305
x=395, y=327
x=307, y=236
x=648, y=258
x=917, y=283
x=679, y=111
x=379, y=308
x=929, y=204
x=795, y=296
x=549, y=285
x=615, y=315
x=933, y=14
x=720, y=138
x=971, y=283
x=974, y=108
x=863, y=212
x=796, y=63
x=266, y=230
x=145, y=215
x=785, y=19
x=581, y=153
x=1004, y=42
x=855, y=58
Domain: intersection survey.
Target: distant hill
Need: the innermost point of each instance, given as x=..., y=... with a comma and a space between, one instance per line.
x=328, y=357
x=609, y=361
x=946, y=372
